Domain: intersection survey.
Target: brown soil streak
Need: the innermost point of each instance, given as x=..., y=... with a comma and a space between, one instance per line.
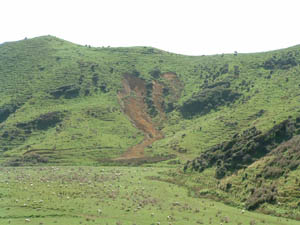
x=132, y=99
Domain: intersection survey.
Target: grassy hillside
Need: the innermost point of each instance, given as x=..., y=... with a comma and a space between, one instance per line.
x=255, y=169
x=60, y=100
x=227, y=124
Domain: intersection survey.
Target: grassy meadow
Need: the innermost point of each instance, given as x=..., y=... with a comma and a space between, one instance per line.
x=110, y=195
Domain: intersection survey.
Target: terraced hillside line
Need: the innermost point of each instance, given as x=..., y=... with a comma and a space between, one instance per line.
x=132, y=99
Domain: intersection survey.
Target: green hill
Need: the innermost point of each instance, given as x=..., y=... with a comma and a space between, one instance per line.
x=60, y=100
x=66, y=104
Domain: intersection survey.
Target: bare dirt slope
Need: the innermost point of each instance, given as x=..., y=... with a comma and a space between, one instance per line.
x=132, y=99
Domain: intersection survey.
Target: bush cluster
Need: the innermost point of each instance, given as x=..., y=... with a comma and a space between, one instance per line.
x=27, y=159
x=261, y=195
x=209, y=98
x=249, y=146
x=283, y=61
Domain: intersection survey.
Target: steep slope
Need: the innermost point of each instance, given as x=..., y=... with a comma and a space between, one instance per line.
x=279, y=170
x=256, y=170
x=100, y=104
x=244, y=148
x=133, y=101
x=139, y=101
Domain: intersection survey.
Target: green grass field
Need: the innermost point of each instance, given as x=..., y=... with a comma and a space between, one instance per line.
x=110, y=195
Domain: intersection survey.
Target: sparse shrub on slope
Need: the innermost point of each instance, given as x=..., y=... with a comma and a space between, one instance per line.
x=244, y=149
x=68, y=91
x=6, y=110
x=211, y=97
x=27, y=159
x=282, y=61
x=21, y=131
x=261, y=195
x=283, y=159
x=273, y=179
x=43, y=122
x=155, y=73
x=9, y=108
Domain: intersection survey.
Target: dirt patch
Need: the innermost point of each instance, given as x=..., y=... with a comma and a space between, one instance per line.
x=132, y=100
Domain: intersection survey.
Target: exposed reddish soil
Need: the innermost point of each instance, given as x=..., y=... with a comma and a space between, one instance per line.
x=132, y=100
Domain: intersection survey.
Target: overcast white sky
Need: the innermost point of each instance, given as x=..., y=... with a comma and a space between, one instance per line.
x=192, y=27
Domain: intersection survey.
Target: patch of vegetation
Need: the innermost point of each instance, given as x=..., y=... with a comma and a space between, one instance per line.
x=149, y=101
x=155, y=73
x=261, y=195
x=282, y=61
x=137, y=161
x=283, y=159
x=43, y=122
x=27, y=160
x=8, y=109
x=69, y=91
x=245, y=149
x=211, y=97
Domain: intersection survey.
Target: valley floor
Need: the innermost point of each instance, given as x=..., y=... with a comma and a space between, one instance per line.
x=109, y=195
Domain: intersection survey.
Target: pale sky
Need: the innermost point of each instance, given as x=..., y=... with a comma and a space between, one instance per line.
x=192, y=27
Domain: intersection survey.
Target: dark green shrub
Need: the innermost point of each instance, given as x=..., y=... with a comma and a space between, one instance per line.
x=220, y=172
x=135, y=73
x=27, y=159
x=261, y=195
x=224, y=69
x=283, y=61
x=7, y=109
x=250, y=145
x=155, y=73
x=209, y=98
